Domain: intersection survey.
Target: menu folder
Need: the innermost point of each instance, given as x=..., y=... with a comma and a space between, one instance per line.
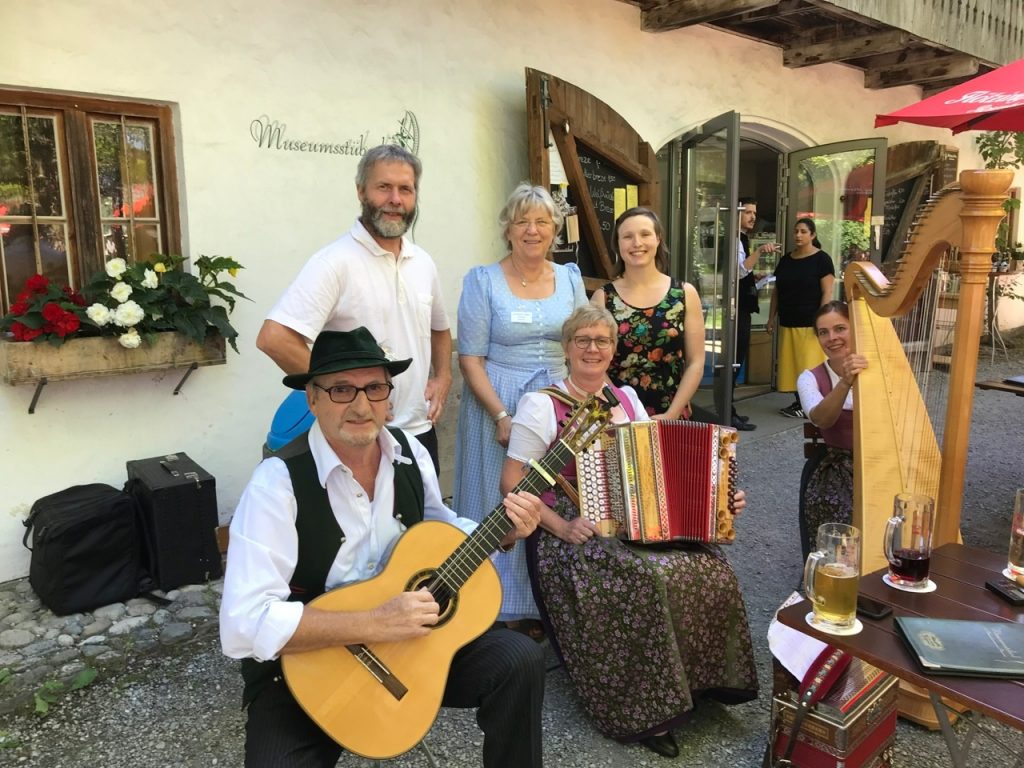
x=971, y=648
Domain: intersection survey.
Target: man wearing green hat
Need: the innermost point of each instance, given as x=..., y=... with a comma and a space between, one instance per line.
x=326, y=511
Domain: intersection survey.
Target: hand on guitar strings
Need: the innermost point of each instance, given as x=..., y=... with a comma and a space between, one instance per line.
x=523, y=509
x=409, y=615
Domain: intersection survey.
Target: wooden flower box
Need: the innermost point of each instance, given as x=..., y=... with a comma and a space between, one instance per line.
x=24, y=362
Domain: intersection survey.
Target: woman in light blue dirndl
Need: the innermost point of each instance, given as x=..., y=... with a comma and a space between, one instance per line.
x=509, y=337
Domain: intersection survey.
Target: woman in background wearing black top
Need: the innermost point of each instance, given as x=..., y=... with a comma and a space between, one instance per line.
x=803, y=283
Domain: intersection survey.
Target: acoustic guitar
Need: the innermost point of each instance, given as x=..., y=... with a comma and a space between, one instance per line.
x=380, y=701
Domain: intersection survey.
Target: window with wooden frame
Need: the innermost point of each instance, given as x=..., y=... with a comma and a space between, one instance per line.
x=83, y=179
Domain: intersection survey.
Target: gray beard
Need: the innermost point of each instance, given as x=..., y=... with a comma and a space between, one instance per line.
x=373, y=219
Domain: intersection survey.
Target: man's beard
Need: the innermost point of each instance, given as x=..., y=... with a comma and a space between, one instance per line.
x=373, y=219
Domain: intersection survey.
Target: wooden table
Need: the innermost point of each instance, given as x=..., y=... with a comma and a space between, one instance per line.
x=1001, y=386
x=960, y=573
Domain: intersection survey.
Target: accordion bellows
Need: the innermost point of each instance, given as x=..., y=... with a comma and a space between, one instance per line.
x=655, y=481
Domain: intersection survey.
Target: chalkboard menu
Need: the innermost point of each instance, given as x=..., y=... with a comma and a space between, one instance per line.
x=603, y=179
x=896, y=199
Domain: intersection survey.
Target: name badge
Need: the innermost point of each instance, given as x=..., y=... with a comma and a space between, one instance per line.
x=522, y=317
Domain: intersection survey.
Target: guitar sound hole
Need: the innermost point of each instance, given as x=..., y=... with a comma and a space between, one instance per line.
x=447, y=602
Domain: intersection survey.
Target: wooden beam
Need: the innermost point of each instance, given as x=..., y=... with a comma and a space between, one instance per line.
x=938, y=86
x=801, y=52
x=912, y=72
x=781, y=10
x=676, y=14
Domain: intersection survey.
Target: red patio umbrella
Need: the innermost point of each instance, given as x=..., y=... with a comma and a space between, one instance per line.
x=990, y=102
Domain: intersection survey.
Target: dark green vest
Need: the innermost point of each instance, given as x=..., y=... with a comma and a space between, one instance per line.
x=320, y=536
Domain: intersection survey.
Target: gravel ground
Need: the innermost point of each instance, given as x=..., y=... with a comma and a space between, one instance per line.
x=181, y=708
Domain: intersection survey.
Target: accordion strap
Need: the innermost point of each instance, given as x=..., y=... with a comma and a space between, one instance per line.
x=560, y=479
x=818, y=681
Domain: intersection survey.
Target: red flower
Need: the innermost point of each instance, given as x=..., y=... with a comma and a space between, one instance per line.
x=19, y=308
x=37, y=284
x=67, y=324
x=23, y=296
x=73, y=296
x=53, y=312
x=23, y=332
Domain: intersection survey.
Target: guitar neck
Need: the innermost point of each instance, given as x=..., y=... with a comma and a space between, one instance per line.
x=462, y=563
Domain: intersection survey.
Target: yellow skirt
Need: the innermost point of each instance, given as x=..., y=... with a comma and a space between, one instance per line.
x=799, y=351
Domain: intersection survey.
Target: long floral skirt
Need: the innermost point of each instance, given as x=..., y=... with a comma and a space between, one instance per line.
x=642, y=629
x=826, y=495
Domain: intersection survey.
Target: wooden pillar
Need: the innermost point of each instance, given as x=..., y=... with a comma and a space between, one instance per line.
x=983, y=193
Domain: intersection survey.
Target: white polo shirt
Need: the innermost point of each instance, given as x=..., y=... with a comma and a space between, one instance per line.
x=354, y=282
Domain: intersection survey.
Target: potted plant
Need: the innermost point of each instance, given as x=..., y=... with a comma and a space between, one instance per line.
x=126, y=318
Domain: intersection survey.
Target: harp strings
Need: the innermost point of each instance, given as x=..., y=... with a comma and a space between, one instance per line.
x=925, y=335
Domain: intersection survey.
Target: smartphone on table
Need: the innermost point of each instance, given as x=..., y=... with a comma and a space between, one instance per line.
x=871, y=608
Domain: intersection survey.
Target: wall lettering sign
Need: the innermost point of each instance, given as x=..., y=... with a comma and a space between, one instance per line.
x=270, y=134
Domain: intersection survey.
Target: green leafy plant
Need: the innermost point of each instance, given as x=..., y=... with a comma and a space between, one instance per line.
x=50, y=692
x=5, y=675
x=1001, y=149
x=130, y=301
x=7, y=741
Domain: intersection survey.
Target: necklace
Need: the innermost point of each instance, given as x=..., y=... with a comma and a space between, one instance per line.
x=522, y=280
x=578, y=388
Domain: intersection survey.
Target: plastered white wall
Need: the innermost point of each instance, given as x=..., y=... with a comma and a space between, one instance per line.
x=330, y=70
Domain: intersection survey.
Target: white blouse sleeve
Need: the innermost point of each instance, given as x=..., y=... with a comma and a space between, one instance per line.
x=533, y=427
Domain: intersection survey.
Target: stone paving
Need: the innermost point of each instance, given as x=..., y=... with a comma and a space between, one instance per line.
x=37, y=646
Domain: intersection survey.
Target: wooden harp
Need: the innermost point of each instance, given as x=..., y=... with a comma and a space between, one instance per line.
x=895, y=449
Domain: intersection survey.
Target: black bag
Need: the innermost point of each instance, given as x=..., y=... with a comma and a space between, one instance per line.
x=177, y=501
x=85, y=548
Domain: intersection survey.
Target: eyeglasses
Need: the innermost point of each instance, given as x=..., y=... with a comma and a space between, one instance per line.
x=584, y=342
x=538, y=223
x=346, y=393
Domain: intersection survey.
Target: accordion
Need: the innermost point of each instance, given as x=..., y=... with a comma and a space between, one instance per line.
x=655, y=481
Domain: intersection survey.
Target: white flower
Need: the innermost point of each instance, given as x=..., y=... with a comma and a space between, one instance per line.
x=121, y=292
x=149, y=279
x=116, y=267
x=99, y=314
x=129, y=340
x=128, y=314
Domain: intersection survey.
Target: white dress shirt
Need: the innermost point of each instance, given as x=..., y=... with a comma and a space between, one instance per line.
x=256, y=618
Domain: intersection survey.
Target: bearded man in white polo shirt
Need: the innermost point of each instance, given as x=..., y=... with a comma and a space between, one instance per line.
x=376, y=277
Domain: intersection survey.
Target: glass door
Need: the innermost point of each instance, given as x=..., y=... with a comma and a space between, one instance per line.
x=842, y=187
x=710, y=159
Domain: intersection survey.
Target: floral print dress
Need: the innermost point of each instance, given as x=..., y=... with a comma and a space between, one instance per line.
x=650, y=353
x=643, y=629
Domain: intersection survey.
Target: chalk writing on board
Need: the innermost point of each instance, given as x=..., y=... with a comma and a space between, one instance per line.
x=896, y=198
x=602, y=180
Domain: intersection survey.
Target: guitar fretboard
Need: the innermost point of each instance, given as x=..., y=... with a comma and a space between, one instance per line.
x=464, y=561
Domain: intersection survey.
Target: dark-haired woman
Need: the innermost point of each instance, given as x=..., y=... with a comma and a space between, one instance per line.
x=803, y=283
x=660, y=351
x=826, y=485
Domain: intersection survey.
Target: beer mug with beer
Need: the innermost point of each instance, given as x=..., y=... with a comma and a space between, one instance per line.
x=908, y=541
x=831, y=576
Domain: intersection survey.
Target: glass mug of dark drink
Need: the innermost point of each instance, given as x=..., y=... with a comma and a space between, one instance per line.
x=831, y=577
x=908, y=540
x=1015, y=561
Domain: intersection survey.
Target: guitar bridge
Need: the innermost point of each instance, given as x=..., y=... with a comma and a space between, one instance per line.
x=379, y=670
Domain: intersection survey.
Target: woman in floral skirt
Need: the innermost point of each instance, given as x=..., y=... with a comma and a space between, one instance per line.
x=643, y=629
x=660, y=352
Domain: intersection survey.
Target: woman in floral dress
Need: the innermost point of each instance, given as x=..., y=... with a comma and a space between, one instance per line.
x=660, y=352
x=643, y=629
